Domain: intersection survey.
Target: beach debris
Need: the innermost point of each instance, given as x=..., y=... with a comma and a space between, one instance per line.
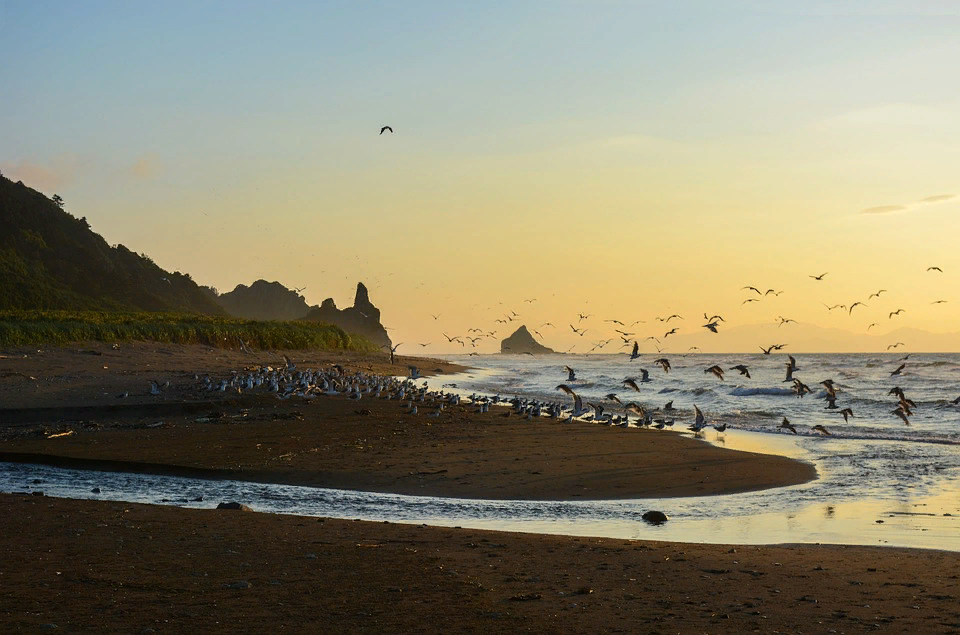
x=655, y=517
x=236, y=506
x=526, y=597
x=239, y=584
x=60, y=434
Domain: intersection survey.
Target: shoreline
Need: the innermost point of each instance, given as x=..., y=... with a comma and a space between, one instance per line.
x=371, y=445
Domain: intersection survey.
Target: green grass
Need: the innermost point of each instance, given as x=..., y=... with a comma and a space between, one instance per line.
x=57, y=328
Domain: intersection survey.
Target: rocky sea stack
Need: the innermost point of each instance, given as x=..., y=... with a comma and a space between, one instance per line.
x=522, y=342
x=362, y=318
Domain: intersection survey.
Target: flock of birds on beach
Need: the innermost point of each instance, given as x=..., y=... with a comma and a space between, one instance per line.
x=286, y=381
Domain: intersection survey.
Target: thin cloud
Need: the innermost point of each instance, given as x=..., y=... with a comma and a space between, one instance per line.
x=61, y=171
x=892, y=209
x=884, y=209
x=146, y=167
x=938, y=198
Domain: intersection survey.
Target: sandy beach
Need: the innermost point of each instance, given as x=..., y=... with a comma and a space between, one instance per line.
x=93, y=565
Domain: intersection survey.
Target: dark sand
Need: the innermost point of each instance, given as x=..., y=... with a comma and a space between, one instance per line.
x=87, y=565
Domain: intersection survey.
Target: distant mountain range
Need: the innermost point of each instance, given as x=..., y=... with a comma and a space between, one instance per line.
x=50, y=259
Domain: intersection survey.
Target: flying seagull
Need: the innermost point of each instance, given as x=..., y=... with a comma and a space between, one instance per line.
x=785, y=424
x=385, y=128
x=935, y=269
x=855, y=305
x=716, y=370
x=743, y=370
x=820, y=277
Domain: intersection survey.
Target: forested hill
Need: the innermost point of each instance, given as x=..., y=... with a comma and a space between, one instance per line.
x=50, y=259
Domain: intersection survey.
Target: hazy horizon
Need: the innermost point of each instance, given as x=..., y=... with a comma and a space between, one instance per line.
x=626, y=160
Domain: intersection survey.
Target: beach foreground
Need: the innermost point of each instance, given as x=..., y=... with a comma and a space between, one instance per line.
x=98, y=565
x=105, y=566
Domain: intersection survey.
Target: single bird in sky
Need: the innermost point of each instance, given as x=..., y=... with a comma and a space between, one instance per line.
x=935, y=269
x=899, y=370
x=743, y=370
x=820, y=429
x=853, y=306
x=820, y=277
x=664, y=364
x=877, y=294
x=897, y=312
x=385, y=128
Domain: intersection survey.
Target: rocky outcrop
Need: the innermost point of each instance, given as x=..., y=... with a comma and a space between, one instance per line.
x=522, y=342
x=264, y=300
x=363, y=318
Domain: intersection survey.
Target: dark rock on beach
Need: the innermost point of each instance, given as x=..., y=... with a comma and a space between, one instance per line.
x=655, y=517
x=235, y=505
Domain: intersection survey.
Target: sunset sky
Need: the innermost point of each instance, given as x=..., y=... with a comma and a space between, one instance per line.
x=621, y=159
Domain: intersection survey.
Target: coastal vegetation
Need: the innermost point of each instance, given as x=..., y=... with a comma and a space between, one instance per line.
x=39, y=327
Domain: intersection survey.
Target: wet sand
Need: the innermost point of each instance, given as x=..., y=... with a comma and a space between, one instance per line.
x=89, y=565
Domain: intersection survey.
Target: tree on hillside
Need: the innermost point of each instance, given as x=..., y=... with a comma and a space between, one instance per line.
x=58, y=200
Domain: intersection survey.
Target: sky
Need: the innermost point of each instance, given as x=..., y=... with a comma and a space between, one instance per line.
x=620, y=159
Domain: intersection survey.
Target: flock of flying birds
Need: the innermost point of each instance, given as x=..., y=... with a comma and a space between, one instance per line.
x=648, y=418
x=624, y=332
x=657, y=417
